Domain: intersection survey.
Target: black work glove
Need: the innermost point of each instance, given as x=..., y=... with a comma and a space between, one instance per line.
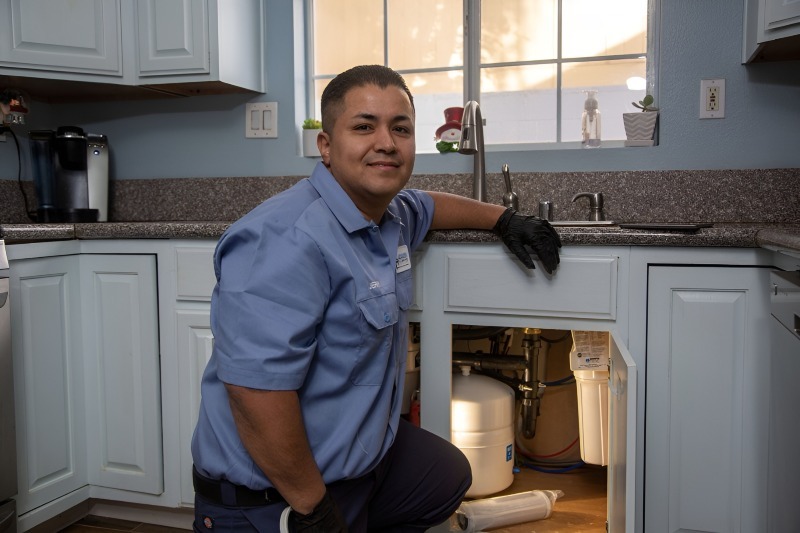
x=325, y=518
x=518, y=230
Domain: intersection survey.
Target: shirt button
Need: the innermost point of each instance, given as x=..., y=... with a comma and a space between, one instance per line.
x=386, y=317
x=374, y=228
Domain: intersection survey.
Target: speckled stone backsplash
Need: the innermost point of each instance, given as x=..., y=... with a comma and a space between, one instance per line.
x=720, y=196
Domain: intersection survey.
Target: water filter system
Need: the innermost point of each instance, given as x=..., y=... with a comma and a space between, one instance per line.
x=588, y=361
x=490, y=393
x=482, y=413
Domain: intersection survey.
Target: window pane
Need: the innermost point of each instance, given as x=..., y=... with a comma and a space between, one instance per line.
x=593, y=28
x=609, y=78
x=425, y=33
x=340, y=42
x=518, y=30
x=519, y=104
x=433, y=93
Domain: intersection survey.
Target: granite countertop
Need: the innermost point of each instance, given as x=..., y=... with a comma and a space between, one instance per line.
x=772, y=236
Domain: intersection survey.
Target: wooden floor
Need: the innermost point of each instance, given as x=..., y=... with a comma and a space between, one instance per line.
x=99, y=524
x=581, y=509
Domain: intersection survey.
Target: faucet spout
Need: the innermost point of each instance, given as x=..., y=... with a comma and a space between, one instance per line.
x=471, y=143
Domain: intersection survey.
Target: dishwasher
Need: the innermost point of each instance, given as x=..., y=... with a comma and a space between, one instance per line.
x=784, y=430
x=8, y=445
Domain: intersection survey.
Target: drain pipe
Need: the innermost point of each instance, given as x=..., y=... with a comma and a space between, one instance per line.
x=533, y=389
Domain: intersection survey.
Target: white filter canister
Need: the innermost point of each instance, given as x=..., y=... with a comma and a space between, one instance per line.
x=592, y=388
x=490, y=513
x=482, y=427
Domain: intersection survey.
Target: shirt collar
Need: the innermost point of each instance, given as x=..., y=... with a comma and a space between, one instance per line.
x=339, y=203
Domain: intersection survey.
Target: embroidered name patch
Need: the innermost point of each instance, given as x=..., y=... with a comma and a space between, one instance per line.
x=403, y=261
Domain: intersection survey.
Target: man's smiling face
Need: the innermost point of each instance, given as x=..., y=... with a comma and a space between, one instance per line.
x=371, y=148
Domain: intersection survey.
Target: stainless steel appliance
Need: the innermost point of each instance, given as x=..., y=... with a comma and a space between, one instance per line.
x=97, y=174
x=784, y=430
x=8, y=439
x=70, y=171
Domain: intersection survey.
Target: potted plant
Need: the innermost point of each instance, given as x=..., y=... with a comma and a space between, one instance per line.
x=311, y=128
x=640, y=127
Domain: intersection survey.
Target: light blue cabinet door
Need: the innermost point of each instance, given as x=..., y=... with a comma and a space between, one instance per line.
x=173, y=37
x=82, y=36
x=707, y=399
x=48, y=380
x=120, y=328
x=195, y=343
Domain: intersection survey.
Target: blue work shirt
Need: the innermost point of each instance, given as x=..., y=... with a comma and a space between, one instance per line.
x=312, y=297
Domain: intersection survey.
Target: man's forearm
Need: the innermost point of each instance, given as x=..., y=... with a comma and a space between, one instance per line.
x=458, y=212
x=270, y=425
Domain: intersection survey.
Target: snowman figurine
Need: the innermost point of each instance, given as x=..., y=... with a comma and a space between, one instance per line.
x=448, y=135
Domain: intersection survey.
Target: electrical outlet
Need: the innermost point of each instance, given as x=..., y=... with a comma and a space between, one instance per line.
x=712, y=98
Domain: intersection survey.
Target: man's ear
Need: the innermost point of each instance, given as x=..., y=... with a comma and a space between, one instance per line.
x=324, y=146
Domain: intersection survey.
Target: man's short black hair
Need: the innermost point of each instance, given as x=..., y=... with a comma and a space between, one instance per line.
x=334, y=93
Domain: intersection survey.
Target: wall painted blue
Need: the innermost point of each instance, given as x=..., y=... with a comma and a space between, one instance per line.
x=204, y=136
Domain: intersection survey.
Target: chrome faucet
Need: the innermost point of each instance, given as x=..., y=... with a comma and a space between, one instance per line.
x=471, y=143
x=510, y=198
x=596, y=212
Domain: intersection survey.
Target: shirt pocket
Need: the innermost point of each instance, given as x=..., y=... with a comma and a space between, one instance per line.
x=404, y=285
x=379, y=315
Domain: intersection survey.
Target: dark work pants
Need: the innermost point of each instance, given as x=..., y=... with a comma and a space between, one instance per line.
x=419, y=484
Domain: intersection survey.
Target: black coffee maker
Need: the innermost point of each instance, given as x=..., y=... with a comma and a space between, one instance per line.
x=62, y=167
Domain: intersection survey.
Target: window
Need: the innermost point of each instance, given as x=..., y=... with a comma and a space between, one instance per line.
x=531, y=70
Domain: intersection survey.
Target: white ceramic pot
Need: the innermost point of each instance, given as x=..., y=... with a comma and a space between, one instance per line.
x=310, y=143
x=640, y=127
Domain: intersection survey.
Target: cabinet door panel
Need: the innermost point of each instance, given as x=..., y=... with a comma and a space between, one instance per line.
x=585, y=287
x=780, y=13
x=124, y=404
x=173, y=37
x=706, y=399
x=195, y=343
x=622, y=437
x=48, y=376
x=75, y=36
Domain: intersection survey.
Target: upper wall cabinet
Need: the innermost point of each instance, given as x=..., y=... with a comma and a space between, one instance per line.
x=184, y=47
x=771, y=30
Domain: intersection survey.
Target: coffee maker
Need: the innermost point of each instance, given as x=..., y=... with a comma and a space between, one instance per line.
x=70, y=171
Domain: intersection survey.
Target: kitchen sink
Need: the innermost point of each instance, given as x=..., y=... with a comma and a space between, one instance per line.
x=561, y=223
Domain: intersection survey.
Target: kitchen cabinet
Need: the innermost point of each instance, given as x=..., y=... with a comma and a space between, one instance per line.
x=784, y=432
x=123, y=403
x=68, y=37
x=707, y=398
x=687, y=328
x=86, y=364
x=194, y=283
x=483, y=285
x=48, y=378
x=176, y=46
x=190, y=46
x=771, y=30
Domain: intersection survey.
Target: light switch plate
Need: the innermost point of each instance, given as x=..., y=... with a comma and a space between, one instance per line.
x=261, y=120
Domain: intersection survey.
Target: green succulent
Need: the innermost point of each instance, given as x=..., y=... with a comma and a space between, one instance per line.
x=312, y=124
x=646, y=104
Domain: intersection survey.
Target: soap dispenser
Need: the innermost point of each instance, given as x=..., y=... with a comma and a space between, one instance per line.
x=590, y=121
